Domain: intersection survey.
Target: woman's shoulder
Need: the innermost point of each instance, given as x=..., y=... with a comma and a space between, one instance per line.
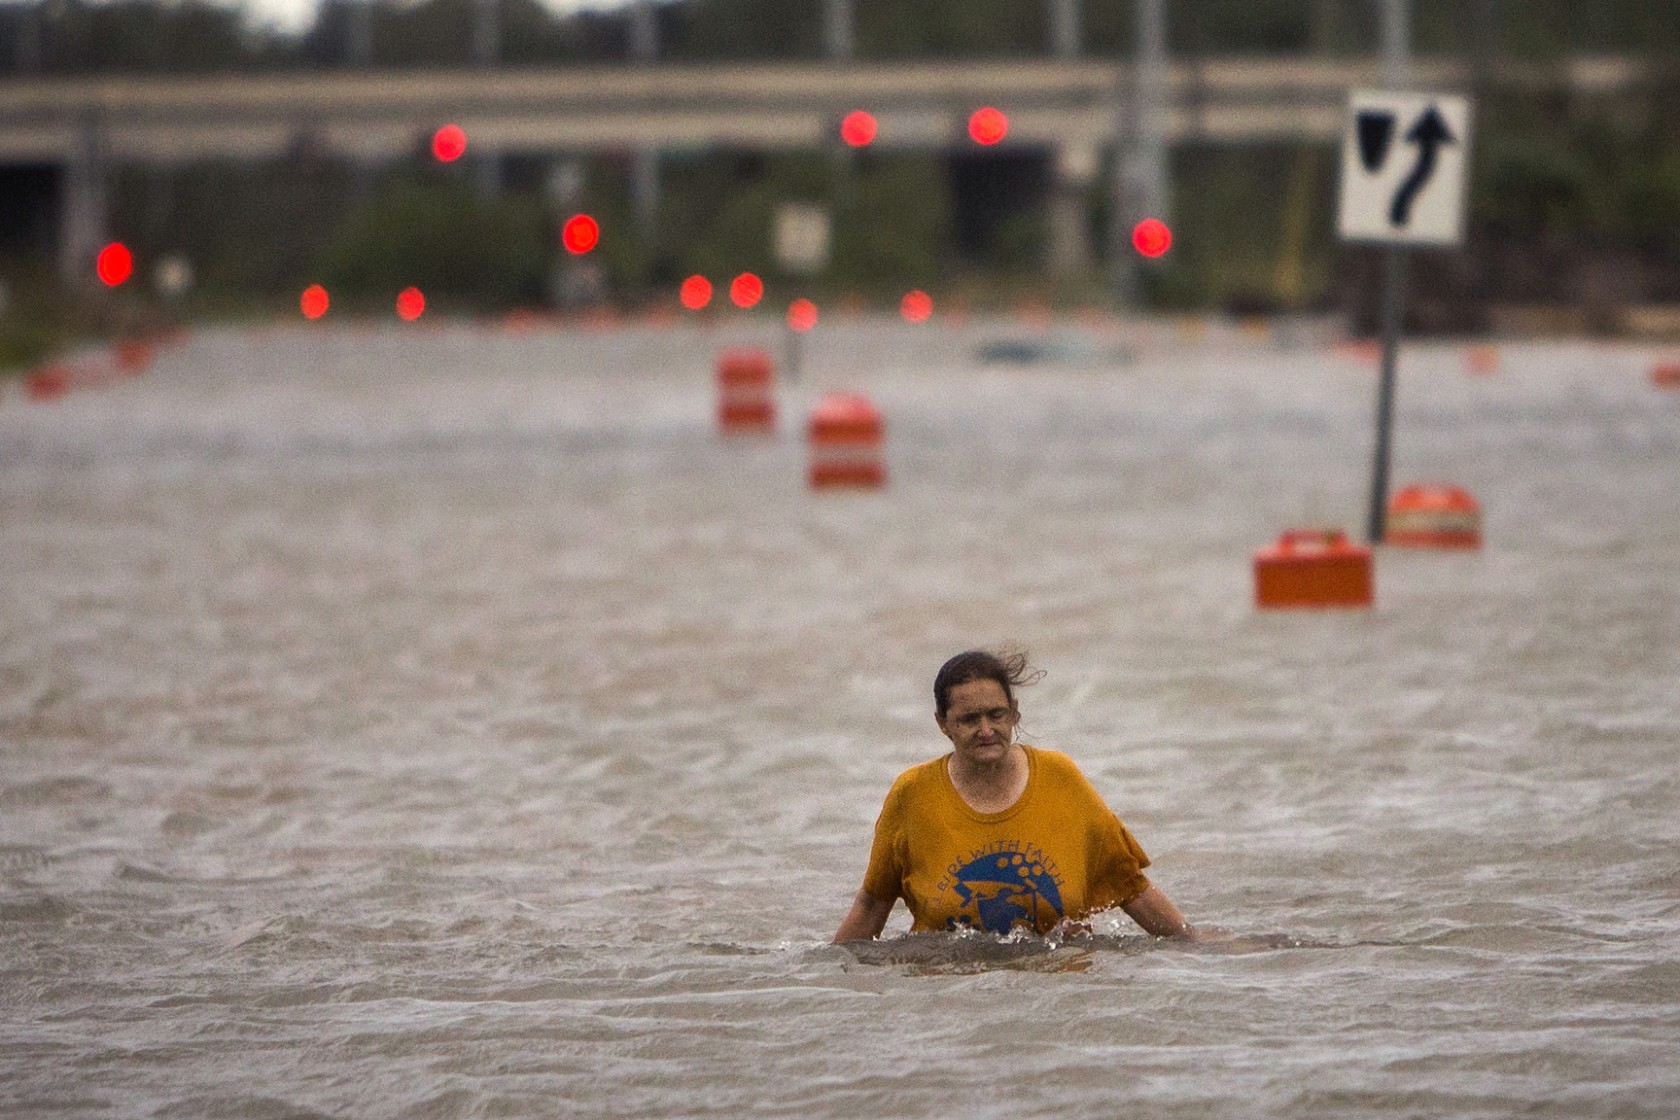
x=1059, y=768
x=928, y=771
x=1053, y=762
x=918, y=777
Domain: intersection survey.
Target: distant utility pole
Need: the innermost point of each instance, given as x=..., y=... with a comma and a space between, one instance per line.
x=1140, y=166
x=486, y=47
x=1064, y=28
x=1075, y=164
x=644, y=32
x=82, y=228
x=839, y=47
x=644, y=163
x=29, y=57
x=486, y=32
x=1396, y=42
x=837, y=30
x=358, y=34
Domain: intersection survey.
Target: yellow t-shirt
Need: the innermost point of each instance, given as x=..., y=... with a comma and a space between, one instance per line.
x=1058, y=852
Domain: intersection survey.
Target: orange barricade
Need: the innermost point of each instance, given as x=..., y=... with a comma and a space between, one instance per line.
x=1433, y=516
x=1313, y=568
x=746, y=382
x=1361, y=349
x=1035, y=313
x=846, y=437
x=1482, y=359
x=1666, y=375
x=133, y=355
x=44, y=383
x=522, y=320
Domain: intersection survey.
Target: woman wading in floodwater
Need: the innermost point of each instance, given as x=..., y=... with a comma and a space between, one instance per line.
x=999, y=833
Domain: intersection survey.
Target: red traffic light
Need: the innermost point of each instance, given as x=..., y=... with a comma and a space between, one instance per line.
x=746, y=290
x=801, y=315
x=313, y=302
x=858, y=128
x=1151, y=237
x=580, y=233
x=115, y=264
x=696, y=292
x=988, y=126
x=449, y=143
x=916, y=307
x=411, y=302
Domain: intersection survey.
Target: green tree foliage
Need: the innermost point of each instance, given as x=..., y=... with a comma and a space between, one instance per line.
x=891, y=232
x=446, y=240
x=139, y=35
x=977, y=29
x=194, y=35
x=744, y=29
x=1548, y=29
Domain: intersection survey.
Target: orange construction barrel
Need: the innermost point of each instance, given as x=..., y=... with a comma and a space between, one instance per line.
x=746, y=386
x=1365, y=350
x=1312, y=568
x=1666, y=375
x=1482, y=359
x=44, y=383
x=1433, y=516
x=846, y=438
x=133, y=355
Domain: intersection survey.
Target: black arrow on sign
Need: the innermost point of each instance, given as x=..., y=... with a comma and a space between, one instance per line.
x=1376, y=129
x=1428, y=134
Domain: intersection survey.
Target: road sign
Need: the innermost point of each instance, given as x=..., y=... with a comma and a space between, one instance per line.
x=802, y=237
x=1403, y=168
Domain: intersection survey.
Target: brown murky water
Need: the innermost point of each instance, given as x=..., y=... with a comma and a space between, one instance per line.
x=450, y=724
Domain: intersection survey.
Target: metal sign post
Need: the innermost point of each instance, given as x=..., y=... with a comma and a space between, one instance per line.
x=793, y=354
x=1404, y=157
x=1393, y=311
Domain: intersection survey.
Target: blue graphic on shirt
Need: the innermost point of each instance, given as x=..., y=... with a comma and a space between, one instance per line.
x=1003, y=888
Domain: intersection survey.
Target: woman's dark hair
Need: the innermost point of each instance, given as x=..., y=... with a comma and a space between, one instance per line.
x=1008, y=669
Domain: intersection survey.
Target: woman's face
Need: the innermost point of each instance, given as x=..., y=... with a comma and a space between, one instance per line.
x=979, y=721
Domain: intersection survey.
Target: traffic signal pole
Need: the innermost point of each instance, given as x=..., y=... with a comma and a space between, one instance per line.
x=1140, y=165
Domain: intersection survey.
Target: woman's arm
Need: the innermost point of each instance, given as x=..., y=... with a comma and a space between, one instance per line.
x=868, y=917
x=1155, y=912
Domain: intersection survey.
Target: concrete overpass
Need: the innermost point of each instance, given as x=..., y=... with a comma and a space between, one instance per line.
x=376, y=115
x=1073, y=109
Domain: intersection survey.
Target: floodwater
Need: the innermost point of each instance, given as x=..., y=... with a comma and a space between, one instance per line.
x=449, y=723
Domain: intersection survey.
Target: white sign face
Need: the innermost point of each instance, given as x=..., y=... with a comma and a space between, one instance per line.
x=1403, y=168
x=802, y=237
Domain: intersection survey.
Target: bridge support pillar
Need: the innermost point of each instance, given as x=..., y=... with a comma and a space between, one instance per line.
x=838, y=30
x=644, y=193
x=487, y=175
x=1070, y=225
x=1141, y=187
x=1064, y=28
x=82, y=221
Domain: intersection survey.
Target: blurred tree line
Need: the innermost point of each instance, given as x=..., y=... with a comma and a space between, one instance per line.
x=79, y=36
x=1575, y=199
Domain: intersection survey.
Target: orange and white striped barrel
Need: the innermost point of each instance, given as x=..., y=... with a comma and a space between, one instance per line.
x=1482, y=360
x=846, y=434
x=48, y=382
x=1433, y=516
x=133, y=355
x=746, y=386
